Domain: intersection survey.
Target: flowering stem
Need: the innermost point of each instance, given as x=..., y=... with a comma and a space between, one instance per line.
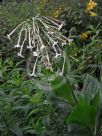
x=33, y=24
x=21, y=49
x=50, y=26
x=29, y=32
x=35, y=64
x=52, y=42
x=19, y=38
x=53, y=22
x=34, y=68
x=43, y=23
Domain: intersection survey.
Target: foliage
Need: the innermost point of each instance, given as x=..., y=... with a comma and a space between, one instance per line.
x=42, y=112
x=68, y=104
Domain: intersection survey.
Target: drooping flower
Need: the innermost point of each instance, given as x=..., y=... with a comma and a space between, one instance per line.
x=43, y=38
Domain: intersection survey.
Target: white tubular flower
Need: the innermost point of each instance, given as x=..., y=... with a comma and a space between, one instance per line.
x=54, y=43
x=19, y=38
x=46, y=26
x=9, y=35
x=29, y=32
x=56, y=20
x=34, y=32
x=35, y=64
x=56, y=24
x=64, y=43
x=60, y=27
x=63, y=67
x=33, y=24
x=44, y=41
x=35, y=54
x=34, y=68
x=17, y=46
x=21, y=48
x=20, y=55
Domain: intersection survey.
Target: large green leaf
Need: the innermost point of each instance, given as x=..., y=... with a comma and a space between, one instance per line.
x=85, y=113
x=80, y=114
x=91, y=87
x=95, y=107
x=63, y=89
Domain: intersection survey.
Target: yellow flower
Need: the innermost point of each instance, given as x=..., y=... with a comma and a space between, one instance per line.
x=84, y=36
x=93, y=14
x=90, y=5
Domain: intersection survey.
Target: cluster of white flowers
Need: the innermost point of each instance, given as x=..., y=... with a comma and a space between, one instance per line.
x=42, y=36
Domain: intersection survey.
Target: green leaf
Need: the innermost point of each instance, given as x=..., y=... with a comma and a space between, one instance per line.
x=95, y=107
x=63, y=89
x=80, y=113
x=91, y=87
x=34, y=111
x=85, y=113
x=36, y=99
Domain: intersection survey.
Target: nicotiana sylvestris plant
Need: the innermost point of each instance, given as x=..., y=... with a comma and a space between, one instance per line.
x=42, y=36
